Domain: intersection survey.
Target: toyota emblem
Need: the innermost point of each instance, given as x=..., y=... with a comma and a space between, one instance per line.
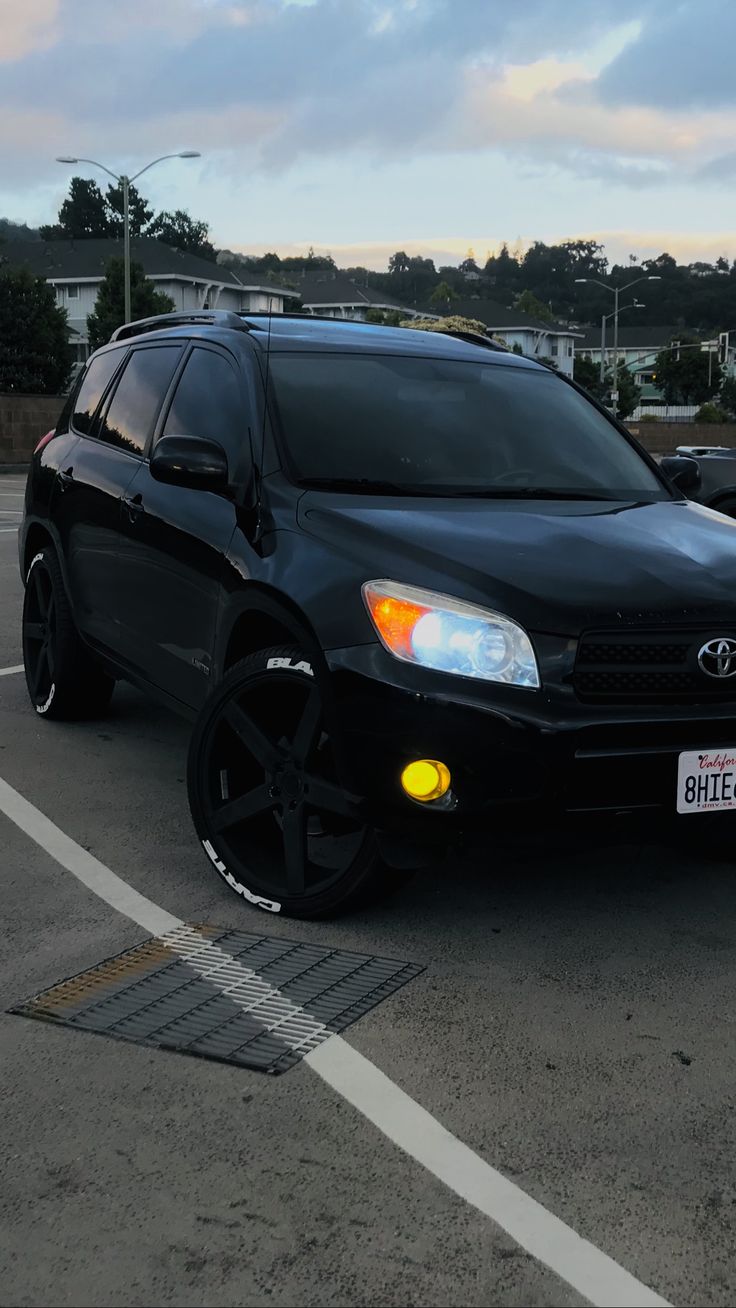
x=717, y=658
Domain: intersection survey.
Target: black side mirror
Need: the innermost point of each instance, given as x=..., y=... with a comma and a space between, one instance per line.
x=190, y=461
x=683, y=472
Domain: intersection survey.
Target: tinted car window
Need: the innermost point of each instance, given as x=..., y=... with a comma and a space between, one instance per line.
x=90, y=393
x=138, y=397
x=208, y=402
x=435, y=424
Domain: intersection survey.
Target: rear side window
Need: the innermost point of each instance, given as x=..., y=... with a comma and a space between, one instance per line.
x=208, y=403
x=138, y=397
x=97, y=376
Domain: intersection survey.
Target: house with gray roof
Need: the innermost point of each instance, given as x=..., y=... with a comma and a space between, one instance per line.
x=540, y=340
x=333, y=295
x=75, y=269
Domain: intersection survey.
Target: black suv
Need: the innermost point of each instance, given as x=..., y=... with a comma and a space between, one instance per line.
x=403, y=582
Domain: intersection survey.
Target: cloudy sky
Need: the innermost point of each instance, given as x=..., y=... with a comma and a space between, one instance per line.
x=363, y=126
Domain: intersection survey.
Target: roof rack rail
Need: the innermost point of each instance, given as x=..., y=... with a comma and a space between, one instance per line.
x=216, y=317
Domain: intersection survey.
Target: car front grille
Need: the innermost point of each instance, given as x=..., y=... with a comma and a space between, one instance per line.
x=613, y=668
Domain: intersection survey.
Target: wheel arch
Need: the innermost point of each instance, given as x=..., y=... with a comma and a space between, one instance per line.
x=38, y=535
x=265, y=617
x=721, y=496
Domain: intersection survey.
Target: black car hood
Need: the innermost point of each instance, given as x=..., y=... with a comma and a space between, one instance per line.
x=553, y=566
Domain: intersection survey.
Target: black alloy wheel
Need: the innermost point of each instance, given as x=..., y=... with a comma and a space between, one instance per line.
x=266, y=798
x=62, y=678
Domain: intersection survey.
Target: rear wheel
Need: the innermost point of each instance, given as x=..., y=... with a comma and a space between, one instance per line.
x=266, y=798
x=62, y=678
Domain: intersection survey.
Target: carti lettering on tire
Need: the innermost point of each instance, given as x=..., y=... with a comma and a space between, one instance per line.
x=266, y=797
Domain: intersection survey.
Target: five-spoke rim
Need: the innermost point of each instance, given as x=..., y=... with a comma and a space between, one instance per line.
x=270, y=793
x=39, y=633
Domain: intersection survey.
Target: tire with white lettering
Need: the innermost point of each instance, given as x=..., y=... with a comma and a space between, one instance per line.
x=62, y=677
x=266, y=798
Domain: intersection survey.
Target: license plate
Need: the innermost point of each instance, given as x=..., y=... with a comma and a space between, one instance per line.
x=706, y=780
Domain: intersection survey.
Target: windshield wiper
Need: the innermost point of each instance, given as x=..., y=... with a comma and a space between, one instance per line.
x=530, y=493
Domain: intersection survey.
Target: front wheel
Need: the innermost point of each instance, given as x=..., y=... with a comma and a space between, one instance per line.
x=266, y=799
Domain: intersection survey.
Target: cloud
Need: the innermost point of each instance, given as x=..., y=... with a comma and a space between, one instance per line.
x=682, y=60
x=26, y=26
x=264, y=84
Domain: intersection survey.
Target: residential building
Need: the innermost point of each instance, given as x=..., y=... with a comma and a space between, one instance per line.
x=333, y=295
x=638, y=347
x=541, y=340
x=75, y=269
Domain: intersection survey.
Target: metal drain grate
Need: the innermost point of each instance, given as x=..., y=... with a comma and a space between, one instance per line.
x=235, y=996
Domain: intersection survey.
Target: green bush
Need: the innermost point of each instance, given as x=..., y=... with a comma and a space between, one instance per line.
x=649, y=417
x=710, y=412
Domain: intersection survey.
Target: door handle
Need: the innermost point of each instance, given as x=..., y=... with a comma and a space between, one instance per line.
x=65, y=478
x=134, y=508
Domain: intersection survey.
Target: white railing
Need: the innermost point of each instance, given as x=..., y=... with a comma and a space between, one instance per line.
x=666, y=412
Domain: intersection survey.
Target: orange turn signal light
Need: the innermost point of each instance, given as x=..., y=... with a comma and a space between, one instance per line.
x=394, y=619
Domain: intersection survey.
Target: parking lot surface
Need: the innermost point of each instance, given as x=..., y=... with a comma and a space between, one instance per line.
x=573, y=1028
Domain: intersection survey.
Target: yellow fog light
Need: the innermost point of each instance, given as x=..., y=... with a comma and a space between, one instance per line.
x=426, y=779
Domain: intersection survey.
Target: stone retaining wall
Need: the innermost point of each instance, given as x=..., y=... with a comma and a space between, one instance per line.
x=23, y=421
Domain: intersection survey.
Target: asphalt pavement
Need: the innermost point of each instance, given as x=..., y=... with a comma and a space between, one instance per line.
x=573, y=1027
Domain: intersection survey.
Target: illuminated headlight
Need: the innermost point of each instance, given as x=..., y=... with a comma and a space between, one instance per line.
x=449, y=635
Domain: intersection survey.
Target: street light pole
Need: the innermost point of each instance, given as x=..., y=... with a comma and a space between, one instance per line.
x=614, y=392
x=603, y=349
x=125, y=183
x=126, y=244
x=615, y=291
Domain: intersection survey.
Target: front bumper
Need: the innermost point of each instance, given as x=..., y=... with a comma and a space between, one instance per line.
x=507, y=749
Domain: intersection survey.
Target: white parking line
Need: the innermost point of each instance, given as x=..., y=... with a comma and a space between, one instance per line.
x=403, y=1121
x=9, y=672
x=15, y=529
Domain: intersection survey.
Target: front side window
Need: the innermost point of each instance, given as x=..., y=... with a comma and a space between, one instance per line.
x=96, y=378
x=134, y=407
x=208, y=403
x=431, y=426
x=72, y=292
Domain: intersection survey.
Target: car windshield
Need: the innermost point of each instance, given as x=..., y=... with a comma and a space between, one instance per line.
x=392, y=424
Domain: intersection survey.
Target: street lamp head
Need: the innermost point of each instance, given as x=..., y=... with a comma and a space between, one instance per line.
x=189, y=154
x=654, y=279
x=580, y=280
x=66, y=158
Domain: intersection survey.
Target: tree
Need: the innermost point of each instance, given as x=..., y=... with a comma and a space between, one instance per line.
x=399, y=262
x=139, y=212
x=183, y=232
x=629, y=394
x=527, y=302
x=35, y=357
x=727, y=397
x=109, y=311
x=385, y=317
x=587, y=374
x=83, y=214
x=684, y=380
x=443, y=295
